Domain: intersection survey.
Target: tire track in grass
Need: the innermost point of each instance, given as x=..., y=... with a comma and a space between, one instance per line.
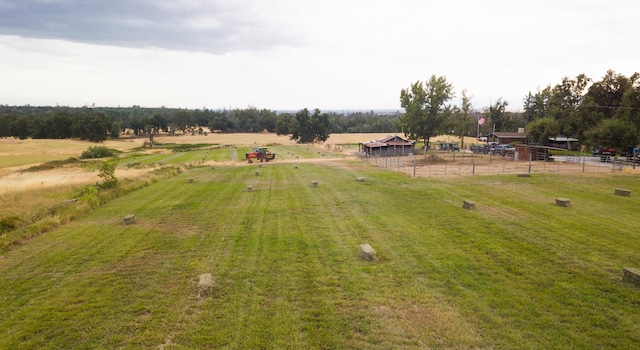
x=356, y=222
x=524, y=250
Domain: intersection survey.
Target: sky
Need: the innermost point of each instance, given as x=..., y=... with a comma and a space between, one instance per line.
x=294, y=54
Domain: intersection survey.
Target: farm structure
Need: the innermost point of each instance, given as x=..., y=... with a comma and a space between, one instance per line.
x=507, y=137
x=390, y=145
x=564, y=142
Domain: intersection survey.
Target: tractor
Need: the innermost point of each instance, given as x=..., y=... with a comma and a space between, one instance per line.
x=260, y=153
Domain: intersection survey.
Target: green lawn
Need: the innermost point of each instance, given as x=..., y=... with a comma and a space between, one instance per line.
x=518, y=272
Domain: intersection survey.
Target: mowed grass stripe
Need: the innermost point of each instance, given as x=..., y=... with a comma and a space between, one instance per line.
x=518, y=272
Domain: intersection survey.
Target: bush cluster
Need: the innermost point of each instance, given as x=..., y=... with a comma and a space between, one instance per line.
x=98, y=152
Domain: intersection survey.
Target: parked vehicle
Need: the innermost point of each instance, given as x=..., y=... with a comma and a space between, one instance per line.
x=504, y=150
x=630, y=152
x=262, y=154
x=492, y=147
x=605, y=154
x=448, y=147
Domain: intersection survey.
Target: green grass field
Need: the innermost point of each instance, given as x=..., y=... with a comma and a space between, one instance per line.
x=518, y=272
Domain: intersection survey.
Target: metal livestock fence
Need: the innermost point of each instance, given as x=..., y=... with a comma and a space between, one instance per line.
x=445, y=164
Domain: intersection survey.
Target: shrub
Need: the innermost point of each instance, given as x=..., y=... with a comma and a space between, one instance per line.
x=54, y=164
x=8, y=224
x=108, y=175
x=98, y=152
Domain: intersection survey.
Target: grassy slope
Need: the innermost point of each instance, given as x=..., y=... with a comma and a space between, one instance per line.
x=519, y=272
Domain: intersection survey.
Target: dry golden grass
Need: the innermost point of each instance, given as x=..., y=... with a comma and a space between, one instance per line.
x=15, y=152
x=16, y=155
x=25, y=181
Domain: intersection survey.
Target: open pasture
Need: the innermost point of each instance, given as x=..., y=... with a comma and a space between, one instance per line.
x=516, y=272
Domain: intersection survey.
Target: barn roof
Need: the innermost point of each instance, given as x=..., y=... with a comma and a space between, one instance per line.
x=510, y=135
x=389, y=140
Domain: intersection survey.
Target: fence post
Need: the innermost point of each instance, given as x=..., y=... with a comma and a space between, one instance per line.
x=414, y=166
x=473, y=168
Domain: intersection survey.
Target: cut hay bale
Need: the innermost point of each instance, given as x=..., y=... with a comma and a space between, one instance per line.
x=295, y=167
x=190, y=181
x=260, y=166
x=563, y=202
x=249, y=188
x=524, y=175
x=367, y=252
x=623, y=192
x=205, y=285
x=360, y=179
x=314, y=183
x=129, y=219
x=632, y=276
x=469, y=205
x=257, y=173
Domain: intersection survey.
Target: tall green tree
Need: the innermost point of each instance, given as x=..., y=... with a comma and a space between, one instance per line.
x=497, y=115
x=535, y=106
x=116, y=127
x=309, y=128
x=564, y=102
x=426, y=109
x=221, y=122
x=608, y=92
x=96, y=129
x=20, y=128
x=615, y=133
x=462, y=123
x=284, y=124
x=540, y=130
x=630, y=106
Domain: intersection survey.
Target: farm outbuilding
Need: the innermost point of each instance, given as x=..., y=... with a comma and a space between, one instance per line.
x=568, y=143
x=391, y=145
x=508, y=137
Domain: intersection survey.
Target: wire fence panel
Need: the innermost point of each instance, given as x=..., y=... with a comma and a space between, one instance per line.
x=448, y=164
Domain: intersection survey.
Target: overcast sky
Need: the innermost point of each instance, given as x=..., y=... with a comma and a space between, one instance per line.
x=293, y=54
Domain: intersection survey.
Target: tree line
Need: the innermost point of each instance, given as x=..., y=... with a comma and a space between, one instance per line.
x=99, y=123
x=597, y=113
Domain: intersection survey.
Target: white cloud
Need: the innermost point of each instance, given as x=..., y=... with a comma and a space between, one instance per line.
x=292, y=54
